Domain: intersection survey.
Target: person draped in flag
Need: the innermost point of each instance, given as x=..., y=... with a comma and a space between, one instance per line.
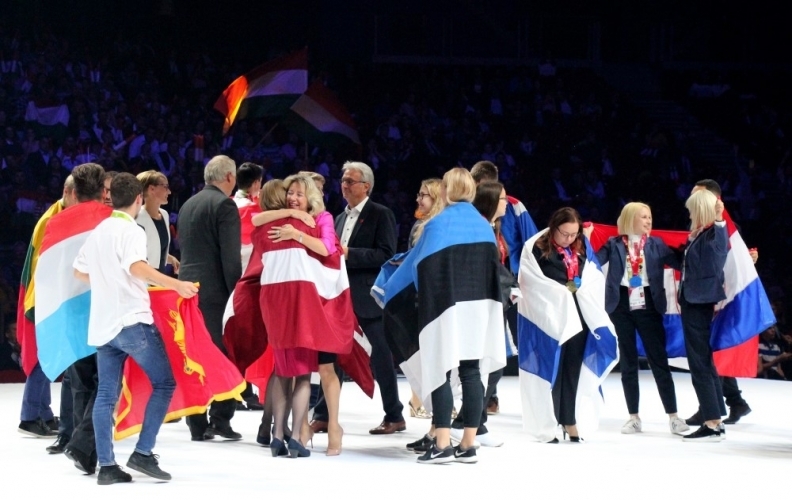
x=635, y=299
x=155, y=221
x=700, y=289
x=121, y=325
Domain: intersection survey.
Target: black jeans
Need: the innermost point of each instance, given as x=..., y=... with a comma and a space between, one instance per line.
x=649, y=324
x=568, y=377
x=492, y=385
x=696, y=321
x=732, y=392
x=84, y=379
x=382, y=369
x=472, y=393
x=66, y=426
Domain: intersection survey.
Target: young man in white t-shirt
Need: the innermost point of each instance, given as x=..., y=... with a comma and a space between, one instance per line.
x=113, y=261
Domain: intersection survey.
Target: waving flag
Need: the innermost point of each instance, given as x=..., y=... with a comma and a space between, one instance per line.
x=739, y=318
x=268, y=90
x=49, y=119
x=442, y=304
x=63, y=302
x=319, y=117
x=287, y=276
x=547, y=318
x=202, y=372
x=26, y=328
x=517, y=227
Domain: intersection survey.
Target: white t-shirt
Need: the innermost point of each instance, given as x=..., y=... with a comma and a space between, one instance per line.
x=117, y=298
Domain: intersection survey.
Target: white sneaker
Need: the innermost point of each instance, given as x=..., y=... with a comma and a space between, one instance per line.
x=632, y=426
x=678, y=426
x=456, y=438
x=489, y=440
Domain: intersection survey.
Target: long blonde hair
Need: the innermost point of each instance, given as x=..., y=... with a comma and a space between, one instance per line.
x=626, y=221
x=701, y=206
x=312, y=194
x=433, y=188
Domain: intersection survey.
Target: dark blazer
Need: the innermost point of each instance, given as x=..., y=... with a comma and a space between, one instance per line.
x=657, y=255
x=209, y=236
x=371, y=244
x=554, y=267
x=702, y=276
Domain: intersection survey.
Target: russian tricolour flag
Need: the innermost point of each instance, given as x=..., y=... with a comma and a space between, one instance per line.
x=547, y=318
x=63, y=303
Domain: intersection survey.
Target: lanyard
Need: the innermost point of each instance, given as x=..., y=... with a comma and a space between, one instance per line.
x=635, y=254
x=117, y=214
x=570, y=261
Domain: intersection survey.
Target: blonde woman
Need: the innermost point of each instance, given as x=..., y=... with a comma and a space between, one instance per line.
x=700, y=289
x=635, y=299
x=155, y=221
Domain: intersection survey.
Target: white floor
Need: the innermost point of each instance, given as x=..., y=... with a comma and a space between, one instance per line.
x=654, y=464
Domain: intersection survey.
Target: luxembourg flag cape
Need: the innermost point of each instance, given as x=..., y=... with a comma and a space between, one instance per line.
x=739, y=318
x=548, y=318
x=63, y=303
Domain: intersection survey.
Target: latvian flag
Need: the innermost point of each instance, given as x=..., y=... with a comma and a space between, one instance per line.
x=739, y=319
x=268, y=90
x=62, y=302
x=49, y=119
x=442, y=303
x=548, y=318
x=321, y=119
x=26, y=329
x=202, y=372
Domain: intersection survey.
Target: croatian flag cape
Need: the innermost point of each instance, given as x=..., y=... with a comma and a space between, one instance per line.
x=62, y=302
x=739, y=318
x=442, y=303
x=292, y=297
x=548, y=318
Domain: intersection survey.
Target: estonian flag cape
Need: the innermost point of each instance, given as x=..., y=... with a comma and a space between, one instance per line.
x=548, y=318
x=442, y=303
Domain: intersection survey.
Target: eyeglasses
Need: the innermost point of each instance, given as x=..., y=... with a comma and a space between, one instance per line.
x=420, y=196
x=503, y=199
x=351, y=182
x=166, y=186
x=567, y=235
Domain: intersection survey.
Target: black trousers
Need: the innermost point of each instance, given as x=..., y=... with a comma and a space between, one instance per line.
x=84, y=379
x=566, y=384
x=649, y=324
x=66, y=426
x=696, y=321
x=492, y=385
x=472, y=392
x=732, y=392
x=382, y=369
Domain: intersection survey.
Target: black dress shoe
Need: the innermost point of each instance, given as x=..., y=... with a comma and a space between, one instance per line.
x=83, y=462
x=207, y=435
x=253, y=404
x=59, y=445
x=737, y=412
x=695, y=420
x=226, y=432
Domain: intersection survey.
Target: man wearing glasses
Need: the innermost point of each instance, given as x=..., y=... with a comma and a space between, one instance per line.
x=367, y=231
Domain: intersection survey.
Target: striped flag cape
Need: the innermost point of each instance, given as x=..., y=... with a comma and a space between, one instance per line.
x=547, y=318
x=442, y=303
x=63, y=302
x=268, y=90
x=739, y=319
x=517, y=227
x=202, y=372
x=320, y=118
x=26, y=328
x=292, y=297
x=247, y=209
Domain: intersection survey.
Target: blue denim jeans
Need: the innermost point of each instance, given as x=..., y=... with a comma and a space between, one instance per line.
x=37, y=397
x=144, y=344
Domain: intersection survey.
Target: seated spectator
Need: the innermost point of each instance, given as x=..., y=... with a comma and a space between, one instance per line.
x=771, y=356
x=10, y=351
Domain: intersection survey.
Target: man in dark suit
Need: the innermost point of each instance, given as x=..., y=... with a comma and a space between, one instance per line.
x=209, y=232
x=367, y=231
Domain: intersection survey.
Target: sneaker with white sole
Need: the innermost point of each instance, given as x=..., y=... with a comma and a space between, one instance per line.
x=632, y=426
x=489, y=440
x=456, y=438
x=704, y=435
x=435, y=455
x=467, y=456
x=678, y=426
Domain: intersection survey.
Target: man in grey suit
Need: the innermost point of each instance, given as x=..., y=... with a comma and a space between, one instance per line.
x=209, y=233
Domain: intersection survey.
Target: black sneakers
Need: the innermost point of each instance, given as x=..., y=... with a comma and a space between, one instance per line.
x=434, y=455
x=112, y=474
x=83, y=462
x=737, y=412
x=147, y=464
x=704, y=435
x=422, y=445
x=59, y=445
x=465, y=456
x=36, y=428
x=695, y=419
x=226, y=432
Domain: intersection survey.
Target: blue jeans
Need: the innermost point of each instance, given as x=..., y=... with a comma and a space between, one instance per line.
x=37, y=397
x=144, y=343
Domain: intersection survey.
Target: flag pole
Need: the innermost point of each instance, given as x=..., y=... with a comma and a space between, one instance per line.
x=266, y=135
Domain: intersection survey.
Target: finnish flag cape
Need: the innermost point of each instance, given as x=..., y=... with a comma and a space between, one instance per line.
x=548, y=318
x=442, y=303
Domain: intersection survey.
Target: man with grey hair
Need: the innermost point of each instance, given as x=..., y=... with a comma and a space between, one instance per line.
x=367, y=231
x=210, y=237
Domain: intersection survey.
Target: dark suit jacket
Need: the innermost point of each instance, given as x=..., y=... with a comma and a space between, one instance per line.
x=210, y=240
x=657, y=255
x=371, y=244
x=554, y=267
x=702, y=276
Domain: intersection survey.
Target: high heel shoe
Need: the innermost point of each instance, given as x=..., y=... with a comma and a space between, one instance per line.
x=572, y=439
x=334, y=452
x=264, y=436
x=296, y=449
x=419, y=412
x=278, y=448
